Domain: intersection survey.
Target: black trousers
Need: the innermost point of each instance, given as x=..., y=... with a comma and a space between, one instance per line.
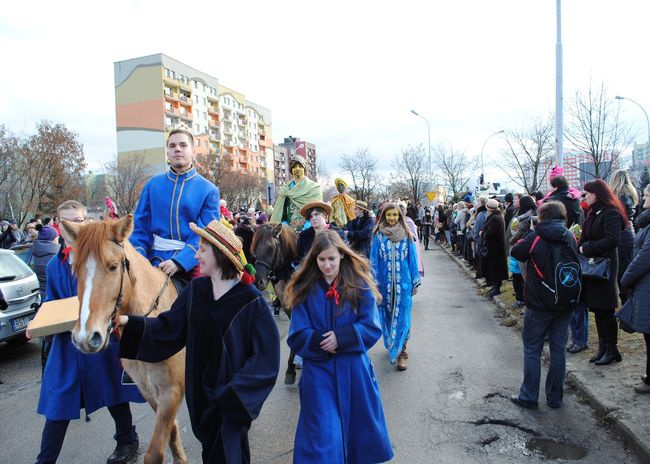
x=606, y=326
x=518, y=285
x=646, y=337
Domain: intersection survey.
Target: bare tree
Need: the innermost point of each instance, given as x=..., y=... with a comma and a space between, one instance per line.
x=213, y=166
x=47, y=168
x=8, y=151
x=529, y=156
x=125, y=178
x=362, y=168
x=242, y=190
x=453, y=167
x=596, y=131
x=412, y=172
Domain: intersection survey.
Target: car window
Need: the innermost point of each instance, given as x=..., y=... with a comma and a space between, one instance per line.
x=12, y=268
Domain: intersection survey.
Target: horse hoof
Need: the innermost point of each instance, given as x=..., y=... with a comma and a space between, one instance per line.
x=290, y=378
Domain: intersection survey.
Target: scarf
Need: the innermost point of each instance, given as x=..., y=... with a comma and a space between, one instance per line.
x=332, y=292
x=394, y=233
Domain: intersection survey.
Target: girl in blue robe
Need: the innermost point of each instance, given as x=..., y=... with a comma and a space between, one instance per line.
x=333, y=325
x=394, y=264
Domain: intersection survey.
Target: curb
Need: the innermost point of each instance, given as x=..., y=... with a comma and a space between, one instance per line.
x=608, y=411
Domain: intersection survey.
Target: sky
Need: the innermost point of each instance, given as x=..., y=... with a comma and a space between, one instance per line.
x=340, y=74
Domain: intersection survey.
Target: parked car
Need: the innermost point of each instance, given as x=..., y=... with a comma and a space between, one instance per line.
x=19, y=297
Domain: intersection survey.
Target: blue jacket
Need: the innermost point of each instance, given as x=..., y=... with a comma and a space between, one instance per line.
x=637, y=277
x=168, y=203
x=341, y=415
x=73, y=380
x=360, y=234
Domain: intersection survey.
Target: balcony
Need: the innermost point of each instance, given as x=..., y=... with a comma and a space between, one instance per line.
x=213, y=98
x=171, y=96
x=214, y=136
x=213, y=110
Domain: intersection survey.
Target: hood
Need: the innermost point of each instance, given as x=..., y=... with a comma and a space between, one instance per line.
x=553, y=230
x=643, y=219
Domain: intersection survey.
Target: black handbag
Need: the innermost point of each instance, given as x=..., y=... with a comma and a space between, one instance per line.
x=595, y=268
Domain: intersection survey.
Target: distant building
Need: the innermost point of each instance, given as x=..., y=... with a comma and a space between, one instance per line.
x=282, y=154
x=156, y=94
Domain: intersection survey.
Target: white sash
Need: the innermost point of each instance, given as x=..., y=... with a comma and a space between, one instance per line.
x=166, y=244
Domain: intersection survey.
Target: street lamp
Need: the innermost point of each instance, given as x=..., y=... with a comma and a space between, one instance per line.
x=482, y=148
x=618, y=97
x=428, y=135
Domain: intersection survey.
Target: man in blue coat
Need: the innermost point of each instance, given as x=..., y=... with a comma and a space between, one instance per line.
x=168, y=203
x=73, y=380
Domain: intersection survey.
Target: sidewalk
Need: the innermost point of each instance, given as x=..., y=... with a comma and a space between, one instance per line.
x=609, y=389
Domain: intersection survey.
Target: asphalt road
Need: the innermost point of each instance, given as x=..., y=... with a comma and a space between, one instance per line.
x=450, y=406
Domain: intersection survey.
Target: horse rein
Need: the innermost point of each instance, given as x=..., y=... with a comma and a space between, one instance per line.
x=125, y=265
x=270, y=275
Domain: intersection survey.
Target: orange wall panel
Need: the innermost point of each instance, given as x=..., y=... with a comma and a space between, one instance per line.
x=142, y=115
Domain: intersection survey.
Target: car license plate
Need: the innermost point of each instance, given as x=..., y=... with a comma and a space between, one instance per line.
x=20, y=323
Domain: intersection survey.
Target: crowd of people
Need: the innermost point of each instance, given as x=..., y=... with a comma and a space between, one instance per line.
x=354, y=278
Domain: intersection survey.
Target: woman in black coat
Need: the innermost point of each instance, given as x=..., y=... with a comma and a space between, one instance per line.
x=601, y=234
x=494, y=266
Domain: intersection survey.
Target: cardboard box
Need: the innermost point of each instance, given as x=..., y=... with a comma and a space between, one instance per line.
x=55, y=317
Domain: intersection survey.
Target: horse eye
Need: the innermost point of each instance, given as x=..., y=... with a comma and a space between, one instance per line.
x=112, y=267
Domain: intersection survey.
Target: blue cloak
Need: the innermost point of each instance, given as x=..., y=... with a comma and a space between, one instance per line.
x=168, y=203
x=73, y=380
x=395, y=267
x=341, y=411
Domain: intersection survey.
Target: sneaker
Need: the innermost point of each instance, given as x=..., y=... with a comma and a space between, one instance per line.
x=402, y=361
x=642, y=388
x=576, y=348
x=518, y=304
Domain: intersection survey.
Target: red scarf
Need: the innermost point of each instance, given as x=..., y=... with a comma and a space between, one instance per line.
x=65, y=253
x=333, y=292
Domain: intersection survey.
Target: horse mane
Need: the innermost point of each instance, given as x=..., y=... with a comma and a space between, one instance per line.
x=91, y=241
x=287, y=239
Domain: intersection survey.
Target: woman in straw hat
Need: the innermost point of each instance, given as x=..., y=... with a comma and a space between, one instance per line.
x=317, y=213
x=233, y=346
x=333, y=325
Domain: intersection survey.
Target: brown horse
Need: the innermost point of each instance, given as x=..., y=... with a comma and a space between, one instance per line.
x=116, y=279
x=274, y=247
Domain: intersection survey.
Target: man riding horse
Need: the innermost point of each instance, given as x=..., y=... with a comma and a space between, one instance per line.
x=168, y=203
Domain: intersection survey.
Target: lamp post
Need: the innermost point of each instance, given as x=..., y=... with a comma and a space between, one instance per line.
x=618, y=97
x=482, y=148
x=428, y=136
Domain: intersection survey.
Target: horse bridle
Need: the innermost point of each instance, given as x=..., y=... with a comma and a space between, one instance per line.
x=125, y=266
x=270, y=275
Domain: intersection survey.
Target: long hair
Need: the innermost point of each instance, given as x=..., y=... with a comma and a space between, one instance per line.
x=381, y=220
x=621, y=184
x=354, y=272
x=605, y=196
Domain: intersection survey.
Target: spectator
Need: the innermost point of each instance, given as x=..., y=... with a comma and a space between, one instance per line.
x=539, y=319
x=510, y=209
x=359, y=230
x=10, y=234
x=493, y=267
x=637, y=280
x=447, y=224
x=460, y=221
x=570, y=198
x=528, y=209
x=44, y=248
x=333, y=325
x=477, y=227
x=427, y=228
x=600, y=238
x=624, y=189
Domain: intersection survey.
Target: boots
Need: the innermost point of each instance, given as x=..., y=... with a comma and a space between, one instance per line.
x=611, y=354
x=602, y=348
x=642, y=388
x=402, y=360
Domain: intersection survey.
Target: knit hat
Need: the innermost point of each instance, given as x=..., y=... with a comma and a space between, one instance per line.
x=297, y=159
x=305, y=211
x=47, y=233
x=229, y=244
x=492, y=204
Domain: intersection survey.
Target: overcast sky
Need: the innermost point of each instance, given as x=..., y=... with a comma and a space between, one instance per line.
x=341, y=74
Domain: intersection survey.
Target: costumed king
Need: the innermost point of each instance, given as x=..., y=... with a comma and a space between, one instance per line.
x=342, y=204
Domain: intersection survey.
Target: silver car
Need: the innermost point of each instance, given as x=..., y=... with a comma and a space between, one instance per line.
x=19, y=297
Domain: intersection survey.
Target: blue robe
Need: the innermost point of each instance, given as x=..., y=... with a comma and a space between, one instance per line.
x=341, y=409
x=168, y=203
x=231, y=362
x=73, y=380
x=395, y=267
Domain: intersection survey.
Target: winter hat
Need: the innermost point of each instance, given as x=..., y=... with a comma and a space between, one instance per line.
x=509, y=197
x=47, y=233
x=492, y=204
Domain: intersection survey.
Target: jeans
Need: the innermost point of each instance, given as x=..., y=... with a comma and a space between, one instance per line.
x=580, y=326
x=448, y=237
x=536, y=326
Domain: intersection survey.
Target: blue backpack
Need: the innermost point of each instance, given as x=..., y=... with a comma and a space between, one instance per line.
x=561, y=276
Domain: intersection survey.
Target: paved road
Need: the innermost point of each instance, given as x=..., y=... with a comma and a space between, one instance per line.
x=450, y=406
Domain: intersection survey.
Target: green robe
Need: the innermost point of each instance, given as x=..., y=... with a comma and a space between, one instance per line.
x=290, y=201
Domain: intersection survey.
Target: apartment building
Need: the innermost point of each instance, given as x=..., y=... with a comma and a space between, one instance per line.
x=155, y=94
x=282, y=154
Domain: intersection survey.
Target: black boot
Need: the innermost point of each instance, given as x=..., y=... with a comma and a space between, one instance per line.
x=612, y=354
x=602, y=349
x=124, y=453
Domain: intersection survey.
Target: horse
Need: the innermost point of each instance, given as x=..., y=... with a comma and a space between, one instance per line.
x=113, y=279
x=275, y=249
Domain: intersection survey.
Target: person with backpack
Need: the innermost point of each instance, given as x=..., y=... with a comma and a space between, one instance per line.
x=552, y=291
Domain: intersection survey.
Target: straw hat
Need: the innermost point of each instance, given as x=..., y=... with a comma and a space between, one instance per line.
x=361, y=205
x=224, y=239
x=315, y=204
